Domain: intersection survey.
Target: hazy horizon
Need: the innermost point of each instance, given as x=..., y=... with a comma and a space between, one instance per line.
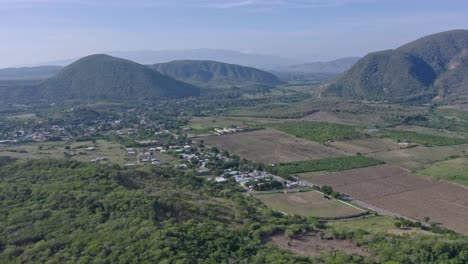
x=41, y=31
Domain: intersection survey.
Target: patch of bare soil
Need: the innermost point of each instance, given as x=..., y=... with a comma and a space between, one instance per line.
x=313, y=245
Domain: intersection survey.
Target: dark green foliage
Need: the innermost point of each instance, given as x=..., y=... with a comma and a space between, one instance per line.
x=318, y=131
x=215, y=74
x=329, y=164
x=418, y=71
x=384, y=75
x=68, y=212
x=423, y=139
x=415, y=249
x=101, y=77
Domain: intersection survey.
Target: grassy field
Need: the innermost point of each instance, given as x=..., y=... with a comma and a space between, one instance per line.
x=113, y=152
x=307, y=204
x=271, y=146
x=454, y=170
x=330, y=164
x=318, y=131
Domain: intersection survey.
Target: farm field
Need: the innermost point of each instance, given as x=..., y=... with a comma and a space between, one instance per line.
x=113, y=152
x=319, y=131
x=394, y=189
x=329, y=164
x=203, y=123
x=271, y=146
x=433, y=131
x=419, y=157
x=454, y=170
x=343, y=118
x=365, y=146
x=306, y=204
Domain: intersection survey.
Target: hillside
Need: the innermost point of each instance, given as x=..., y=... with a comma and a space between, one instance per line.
x=215, y=74
x=105, y=77
x=29, y=73
x=431, y=67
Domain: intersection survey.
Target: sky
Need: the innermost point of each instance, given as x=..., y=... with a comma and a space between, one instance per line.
x=35, y=31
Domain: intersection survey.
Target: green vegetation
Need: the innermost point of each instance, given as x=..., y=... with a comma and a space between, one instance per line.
x=216, y=74
x=329, y=164
x=68, y=212
x=108, y=78
x=453, y=170
x=417, y=71
x=423, y=139
x=318, y=131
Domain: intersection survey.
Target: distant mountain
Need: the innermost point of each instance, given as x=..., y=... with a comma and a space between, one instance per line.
x=434, y=67
x=215, y=74
x=228, y=56
x=335, y=66
x=101, y=77
x=29, y=73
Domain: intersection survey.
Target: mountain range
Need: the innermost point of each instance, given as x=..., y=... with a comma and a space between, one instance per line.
x=149, y=57
x=432, y=68
x=213, y=74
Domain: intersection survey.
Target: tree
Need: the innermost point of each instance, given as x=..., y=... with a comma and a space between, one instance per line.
x=397, y=224
x=427, y=219
x=326, y=189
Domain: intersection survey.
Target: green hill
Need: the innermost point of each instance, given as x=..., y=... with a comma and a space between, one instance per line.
x=102, y=77
x=215, y=74
x=432, y=67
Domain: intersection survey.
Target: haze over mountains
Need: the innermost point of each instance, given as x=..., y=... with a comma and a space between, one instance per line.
x=228, y=56
x=215, y=74
x=434, y=67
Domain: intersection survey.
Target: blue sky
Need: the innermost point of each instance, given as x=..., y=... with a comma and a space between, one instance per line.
x=45, y=30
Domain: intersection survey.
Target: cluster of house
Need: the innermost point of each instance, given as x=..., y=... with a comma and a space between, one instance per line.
x=225, y=130
x=247, y=178
x=146, y=155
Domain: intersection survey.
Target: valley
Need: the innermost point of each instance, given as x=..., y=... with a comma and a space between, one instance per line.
x=210, y=161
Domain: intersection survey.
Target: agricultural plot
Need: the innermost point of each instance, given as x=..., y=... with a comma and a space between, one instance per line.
x=419, y=157
x=364, y=146
x=329, y=164
x=394, y=189
x=454, y=170
x=307, y=204
x=270, y=146
x=318, y=131
x=423, y=139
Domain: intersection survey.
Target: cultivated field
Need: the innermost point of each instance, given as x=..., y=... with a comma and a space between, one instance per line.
x=454, y=170
x=365, y=146
x=271, y=146
x=393, y=189
x=419, y=157
x=306, y=204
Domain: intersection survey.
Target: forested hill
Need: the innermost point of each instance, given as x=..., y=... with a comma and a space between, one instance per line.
x=216, y=74
x=434, y=67
x=105, y=77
